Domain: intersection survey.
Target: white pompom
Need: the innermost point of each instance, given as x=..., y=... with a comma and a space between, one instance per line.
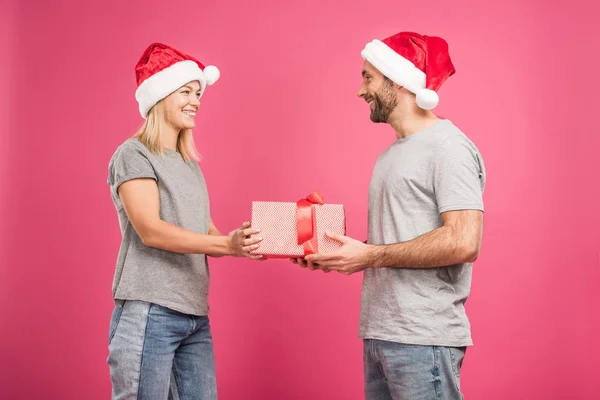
x=427, y=99
x=212, y=74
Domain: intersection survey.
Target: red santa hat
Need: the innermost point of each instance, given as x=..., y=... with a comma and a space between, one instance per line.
x=162, y=69
x=418, y=63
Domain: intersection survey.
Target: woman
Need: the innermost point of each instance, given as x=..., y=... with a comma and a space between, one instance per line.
x=159, y=339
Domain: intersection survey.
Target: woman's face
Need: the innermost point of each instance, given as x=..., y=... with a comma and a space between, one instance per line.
x=181, y=106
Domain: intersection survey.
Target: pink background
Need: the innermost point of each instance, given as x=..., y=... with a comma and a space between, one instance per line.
x=284, y=121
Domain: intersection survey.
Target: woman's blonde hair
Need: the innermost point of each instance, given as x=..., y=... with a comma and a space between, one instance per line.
x=150, y=135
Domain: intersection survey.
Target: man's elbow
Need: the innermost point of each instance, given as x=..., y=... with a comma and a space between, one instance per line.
x=470, y=253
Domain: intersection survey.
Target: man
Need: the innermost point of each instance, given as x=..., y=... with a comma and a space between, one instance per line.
x=424, y=230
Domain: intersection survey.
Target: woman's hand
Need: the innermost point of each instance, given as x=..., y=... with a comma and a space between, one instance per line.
x=242, y=244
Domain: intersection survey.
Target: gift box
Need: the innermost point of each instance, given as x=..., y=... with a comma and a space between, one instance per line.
x=296, y=229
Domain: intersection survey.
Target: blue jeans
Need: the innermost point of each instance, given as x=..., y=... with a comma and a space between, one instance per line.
x=395, y=371
x=156, y=353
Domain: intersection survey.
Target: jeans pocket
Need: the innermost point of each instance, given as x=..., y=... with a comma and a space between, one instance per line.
x=457, y=355
x=114, y=321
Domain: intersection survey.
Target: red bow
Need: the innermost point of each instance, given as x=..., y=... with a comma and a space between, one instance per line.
x=306, y=222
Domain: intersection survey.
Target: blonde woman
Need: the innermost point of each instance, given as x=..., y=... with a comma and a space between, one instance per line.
x=159, y=335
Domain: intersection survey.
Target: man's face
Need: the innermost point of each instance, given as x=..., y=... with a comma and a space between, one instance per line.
x=379, y=92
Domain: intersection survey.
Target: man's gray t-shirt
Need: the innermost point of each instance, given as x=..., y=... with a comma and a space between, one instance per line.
x=173, y=280
x=418, y=177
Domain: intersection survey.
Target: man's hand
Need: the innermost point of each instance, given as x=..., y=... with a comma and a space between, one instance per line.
x=307, y=264
x=348, y=259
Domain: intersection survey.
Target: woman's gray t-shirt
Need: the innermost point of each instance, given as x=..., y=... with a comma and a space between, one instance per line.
x=174, y=280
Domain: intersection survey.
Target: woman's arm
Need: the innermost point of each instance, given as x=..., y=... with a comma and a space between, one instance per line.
x=141, y=201
x=247, y=241
x=212, y=230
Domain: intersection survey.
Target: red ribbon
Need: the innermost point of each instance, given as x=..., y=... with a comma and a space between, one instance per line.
x=306, y=222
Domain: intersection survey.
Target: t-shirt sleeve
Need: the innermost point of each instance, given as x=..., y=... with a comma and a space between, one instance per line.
x=459, y=176
x=128, y=162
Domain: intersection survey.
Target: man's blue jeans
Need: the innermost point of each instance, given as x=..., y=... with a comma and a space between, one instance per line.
x=395, y=371
x=158, y=353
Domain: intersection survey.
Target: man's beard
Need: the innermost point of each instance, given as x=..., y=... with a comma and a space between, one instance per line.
x=384, y=102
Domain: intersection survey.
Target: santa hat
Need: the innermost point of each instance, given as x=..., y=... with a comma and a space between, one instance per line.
x=161, y=70
x=418, y=63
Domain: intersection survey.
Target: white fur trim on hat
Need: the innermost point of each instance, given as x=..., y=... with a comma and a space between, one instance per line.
x=401, y=71
x=166, y=81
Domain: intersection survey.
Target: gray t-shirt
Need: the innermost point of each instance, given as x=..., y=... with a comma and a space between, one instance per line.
x=418, y=177
x=174, y=280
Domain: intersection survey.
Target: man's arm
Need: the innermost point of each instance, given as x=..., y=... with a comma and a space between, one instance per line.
x=458, y=181
x=458, y=176
x=458, y=240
